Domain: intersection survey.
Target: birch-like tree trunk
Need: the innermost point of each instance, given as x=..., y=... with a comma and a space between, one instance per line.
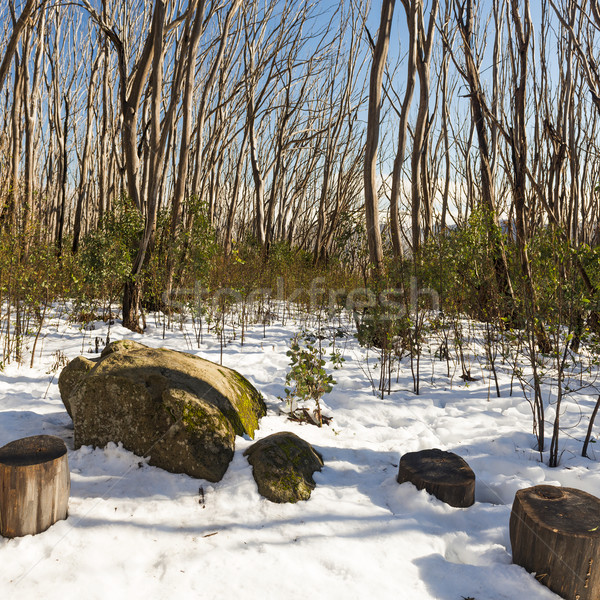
x=479, y=109
x=374, y=110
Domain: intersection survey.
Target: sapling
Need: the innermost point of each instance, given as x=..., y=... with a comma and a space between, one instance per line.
x=308, y=378
x=491, y=351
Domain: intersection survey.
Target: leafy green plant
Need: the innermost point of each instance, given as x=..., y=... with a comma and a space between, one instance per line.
x=106, y=254
x=308, y=378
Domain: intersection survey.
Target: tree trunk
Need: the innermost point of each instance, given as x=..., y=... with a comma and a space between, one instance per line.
x=554, y=533
x=184, y=146
x=34, y=485
x=132, y=294
x=9, y=210
x=478, y=109
x=370, y=168
x=83, y=191
x=103, y=168
x=420, y=177
x=259, y=186
x=132, y=304
x=62, y=208
x=518, y=143
x=30, y=107
x=443, y=474
x=14, y=38
x=228, y=243
x=411, y=17
x=416, y=160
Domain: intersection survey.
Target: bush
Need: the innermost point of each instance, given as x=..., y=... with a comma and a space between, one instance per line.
x=107, y=253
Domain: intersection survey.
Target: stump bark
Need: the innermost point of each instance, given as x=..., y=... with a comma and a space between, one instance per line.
x=555, y=533
x=443, y=474
x=34, y=485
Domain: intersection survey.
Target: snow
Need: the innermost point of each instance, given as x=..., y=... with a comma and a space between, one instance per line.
x=136, y=531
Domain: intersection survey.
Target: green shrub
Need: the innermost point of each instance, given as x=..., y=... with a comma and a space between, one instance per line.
x=107, y=253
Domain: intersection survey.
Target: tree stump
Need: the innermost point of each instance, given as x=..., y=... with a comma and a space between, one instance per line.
x=34, y=485
x=555, y=532
x=445, y=475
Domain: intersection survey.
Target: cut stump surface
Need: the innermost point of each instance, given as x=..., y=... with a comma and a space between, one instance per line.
x=34, y=485
x=555, y=533
x=443, y=474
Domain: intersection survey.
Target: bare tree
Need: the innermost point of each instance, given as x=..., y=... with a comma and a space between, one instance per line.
x=410, y=8
x=337, y=111
x=370, y=167
x=84, y=175
x=420, y=197
x=19, y=26
x=479, y=109
x=145, y=195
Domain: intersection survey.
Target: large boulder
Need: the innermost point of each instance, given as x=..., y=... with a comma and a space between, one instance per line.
x=123, y=346
x=71, y=375
x=181, y=410
x=283, y=466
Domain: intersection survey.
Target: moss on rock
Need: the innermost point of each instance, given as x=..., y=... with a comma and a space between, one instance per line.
x=250, y=405
x=200, y=440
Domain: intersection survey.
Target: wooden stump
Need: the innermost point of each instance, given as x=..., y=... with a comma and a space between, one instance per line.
x=443, y=474
x=34, y=485
x=555, y=532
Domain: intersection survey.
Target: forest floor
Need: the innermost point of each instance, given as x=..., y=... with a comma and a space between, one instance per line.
x=136, y=531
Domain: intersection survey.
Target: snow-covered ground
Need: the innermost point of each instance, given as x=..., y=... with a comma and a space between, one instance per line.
x=136, y=531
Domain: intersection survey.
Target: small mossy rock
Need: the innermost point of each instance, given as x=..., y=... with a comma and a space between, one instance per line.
x=444, y=475
x=71, y=375
x=283, y=465
x=181, y=410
